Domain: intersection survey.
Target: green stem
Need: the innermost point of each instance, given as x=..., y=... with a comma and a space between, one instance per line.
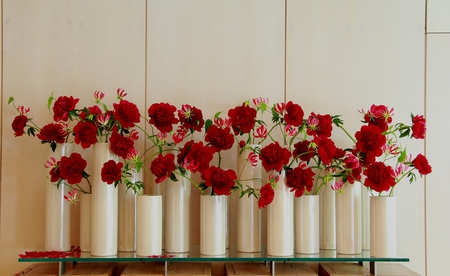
x=348, y=134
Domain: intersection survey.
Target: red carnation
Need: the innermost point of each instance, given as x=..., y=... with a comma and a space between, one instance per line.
x=162, y=167
x=370, y=140
x=19, y=124
x=303, y=150
x=126, y=113
x=52, y=132
x=93, y=110
x=300, y=179
x=222, y=181
x=121, y=145
x=379, y=177
x=111, y=171
x=195, y=156
x=62, y=107
x=242, y=118
x=380, y=116
x=319, y=125
x=421, y=164
x=274, y=157
x=54, y=173
x=267, y=195
x=294, y=114
x=418, y=128
x=71, y=168
x=191, y=117
x=162, y=116
x=325, y=149
x=219, y=138
x=85, y=134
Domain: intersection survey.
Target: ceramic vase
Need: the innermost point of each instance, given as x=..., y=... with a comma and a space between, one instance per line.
x=85, y=222
x=306, y=219
x=248, y=219
x=127, y=215
x=104, y=223
x=280, y=221
x=149, y=225
x=213, y=224
x=327, y=216
x=177, y=215
x=365, y=218
x=383, y=226
x=348, y=220
x=57, y=209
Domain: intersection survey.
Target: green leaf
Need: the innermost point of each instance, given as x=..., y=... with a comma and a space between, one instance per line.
x=208, y=124
x=402, y=156
x=10, y=100
x=173, y=177
x=49, y=101
x=53, y=146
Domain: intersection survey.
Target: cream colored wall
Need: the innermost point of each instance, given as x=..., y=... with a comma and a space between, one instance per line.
x=70, y=48
x=344, y=56
x=437, y=100
x=339, y=57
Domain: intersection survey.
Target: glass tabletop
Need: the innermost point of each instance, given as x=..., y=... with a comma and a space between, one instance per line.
x=232, y=255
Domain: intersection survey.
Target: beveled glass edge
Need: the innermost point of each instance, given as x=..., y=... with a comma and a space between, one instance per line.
x=231, y=256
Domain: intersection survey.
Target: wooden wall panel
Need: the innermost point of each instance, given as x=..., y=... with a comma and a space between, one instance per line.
x=345, y=56
x=69, y=48
x=438, y=223
x=215, y=55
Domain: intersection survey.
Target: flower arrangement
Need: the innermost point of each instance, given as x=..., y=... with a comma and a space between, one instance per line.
x=305, y=151
x=92, y=124
x=305, y=146
x=379, y=153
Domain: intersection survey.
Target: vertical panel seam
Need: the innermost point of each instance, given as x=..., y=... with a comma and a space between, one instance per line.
x=285, y=50
x=425, y=141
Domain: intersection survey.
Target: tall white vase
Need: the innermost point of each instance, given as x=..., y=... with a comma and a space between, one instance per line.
x=149, y=225
x=306, y=219
x=383, y=226
x=213, y=223
x=248, y=220
x=160, y=189
x=327, y=216
x=348, y=220
x=177, y=214
x=85, y=222
x=104, y=206
x=57, y=209
x=365, y=218
x=127, y=215
x=280, y=221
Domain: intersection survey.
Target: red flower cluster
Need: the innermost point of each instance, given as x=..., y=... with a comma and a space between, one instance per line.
x=222, y=181
x=300, y=179
x=378, y=139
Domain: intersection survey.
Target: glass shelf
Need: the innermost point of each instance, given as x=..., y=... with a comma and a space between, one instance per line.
x=231, y=256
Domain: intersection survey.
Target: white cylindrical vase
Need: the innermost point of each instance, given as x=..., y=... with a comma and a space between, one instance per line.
x=383, y=226
x=248, y=219
x=177, y=215
x=57, y=209
x=348, y=220
x=104, y=223
x=327, y=216
x=280, y=221
x=306, y=224
x=365, y=218
x=127, y=215
x=85, y=222
x=213, y=224
x=149, y=225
